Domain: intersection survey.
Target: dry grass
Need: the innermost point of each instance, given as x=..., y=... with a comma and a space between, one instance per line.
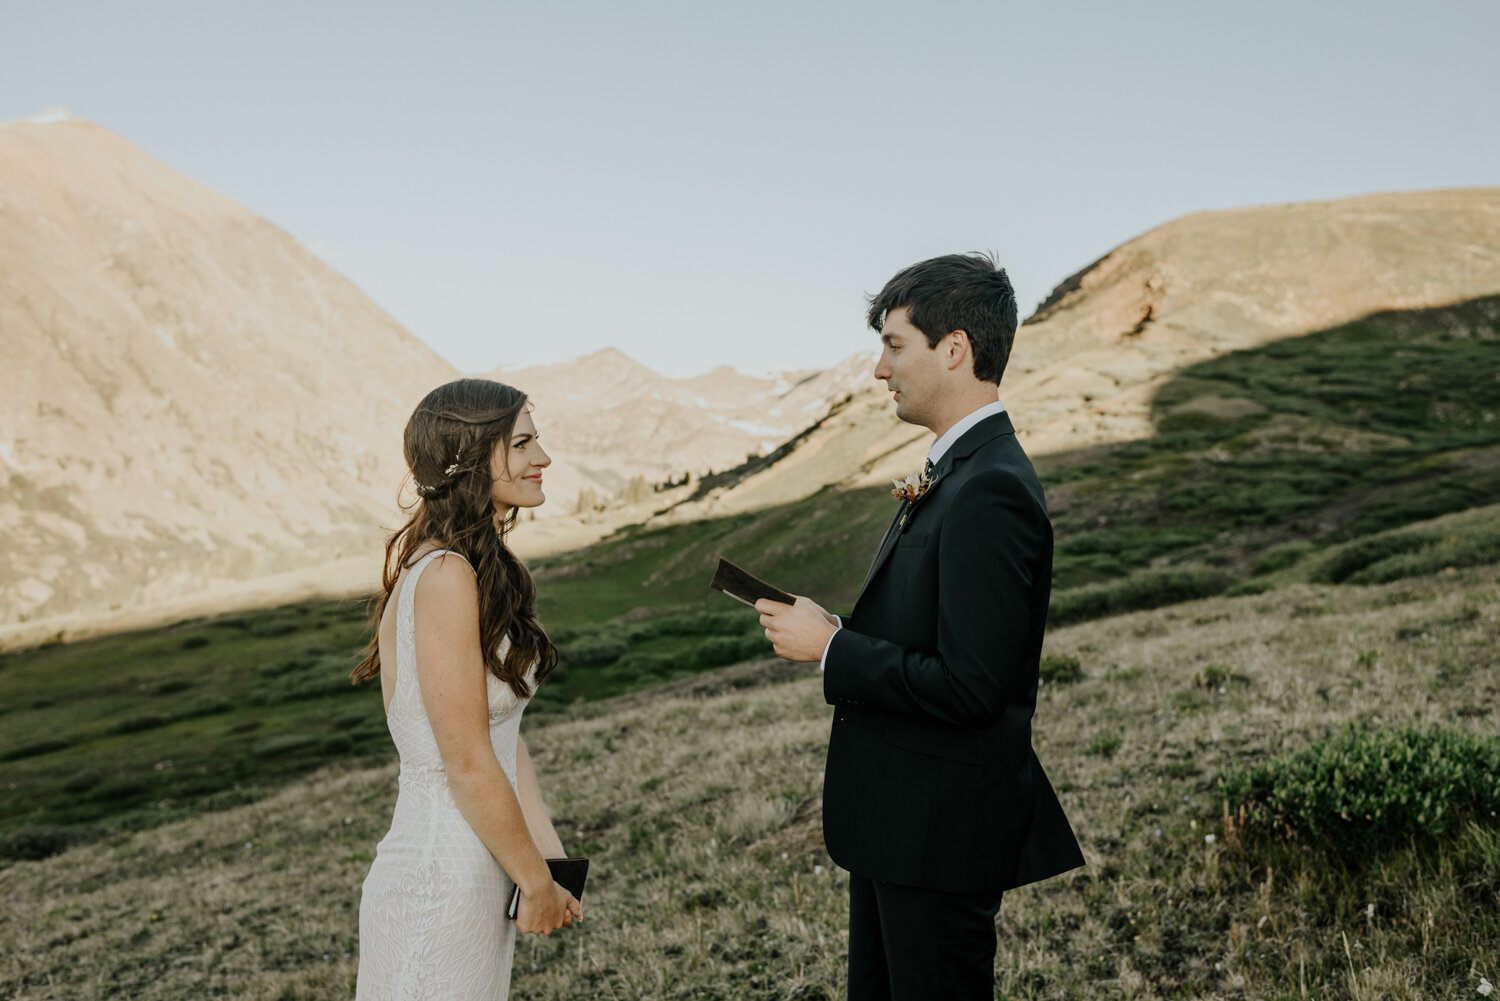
x=709, y=881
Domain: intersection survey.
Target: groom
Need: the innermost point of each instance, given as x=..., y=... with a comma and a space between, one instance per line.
x=933, y=799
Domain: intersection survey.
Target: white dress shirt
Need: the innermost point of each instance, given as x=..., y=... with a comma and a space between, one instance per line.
x=934, y=455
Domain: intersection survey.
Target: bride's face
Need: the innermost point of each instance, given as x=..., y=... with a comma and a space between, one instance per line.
x=516, y=474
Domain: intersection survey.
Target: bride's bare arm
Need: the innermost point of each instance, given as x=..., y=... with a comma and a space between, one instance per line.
x=451, y=674
x=537, y=818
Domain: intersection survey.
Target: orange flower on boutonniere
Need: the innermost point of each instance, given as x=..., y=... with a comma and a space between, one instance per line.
x=911, y=490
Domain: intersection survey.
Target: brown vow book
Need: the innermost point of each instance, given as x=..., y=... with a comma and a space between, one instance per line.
x=568, y=872
x=742, y=585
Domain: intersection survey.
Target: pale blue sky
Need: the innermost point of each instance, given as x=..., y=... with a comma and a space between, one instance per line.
x=704, y=184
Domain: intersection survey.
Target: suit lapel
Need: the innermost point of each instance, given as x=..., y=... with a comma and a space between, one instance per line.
x=886, y=544
x=986, y=430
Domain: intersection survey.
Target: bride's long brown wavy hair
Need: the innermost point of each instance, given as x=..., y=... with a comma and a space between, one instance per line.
x=449, y=442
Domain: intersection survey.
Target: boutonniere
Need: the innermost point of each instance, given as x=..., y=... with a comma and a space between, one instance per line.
x=911, y=490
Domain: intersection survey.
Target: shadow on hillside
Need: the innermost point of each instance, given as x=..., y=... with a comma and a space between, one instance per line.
x=1311, y=441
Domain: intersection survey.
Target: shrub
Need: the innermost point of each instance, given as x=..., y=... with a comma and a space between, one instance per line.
x=227, y=798
x=194, y=642
x=118, y=789
x=717, y=651
x=205, y=707
x=173, y=686
x=1280, y=557
x=728, y=623
x=271, y=627
x=1452, y=551
x=634, y=666
x=1060, y=669
x=755, y=646
x=592, y=651
x=34, y=749
x=83, y=781
x=1140, y=591
x=1354, y=557
x=135, y=724
x=312, y=686
x=1366, y=790
x=36, y=841
x=277, y=668
x=285, y=743
x=1216, y=676
x=1105, y=745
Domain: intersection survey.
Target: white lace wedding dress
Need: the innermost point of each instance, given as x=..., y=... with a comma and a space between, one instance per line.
x=432, y=924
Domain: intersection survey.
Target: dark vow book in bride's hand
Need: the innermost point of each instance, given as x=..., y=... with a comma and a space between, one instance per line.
x=569, y=873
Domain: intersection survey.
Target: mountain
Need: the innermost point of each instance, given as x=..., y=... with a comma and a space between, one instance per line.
x=1088, y=362
x=608, y=418
x=189, y=398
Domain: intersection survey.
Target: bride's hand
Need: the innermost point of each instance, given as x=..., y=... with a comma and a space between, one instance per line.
x=550, y=910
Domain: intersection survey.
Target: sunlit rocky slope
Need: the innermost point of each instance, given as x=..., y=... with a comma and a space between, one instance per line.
x=188, y=397
x=613, y=418
x=197, y=413
x=1088, y=362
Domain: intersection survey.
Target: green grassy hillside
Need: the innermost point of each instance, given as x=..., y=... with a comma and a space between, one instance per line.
x=1315, y=440
x=1363, y=454
x=700, y=809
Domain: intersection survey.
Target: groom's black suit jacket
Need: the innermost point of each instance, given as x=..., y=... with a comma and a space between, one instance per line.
x=931, y=779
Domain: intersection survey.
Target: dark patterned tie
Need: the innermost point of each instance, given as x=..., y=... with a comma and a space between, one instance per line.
x=927, y=469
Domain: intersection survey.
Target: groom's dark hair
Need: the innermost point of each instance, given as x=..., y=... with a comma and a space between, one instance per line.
x=965, y=292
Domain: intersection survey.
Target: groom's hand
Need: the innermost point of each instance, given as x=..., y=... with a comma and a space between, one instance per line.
x=798, y=632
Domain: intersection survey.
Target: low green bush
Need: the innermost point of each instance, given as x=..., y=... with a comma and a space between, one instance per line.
x=592, y=650
x=204, y=707
x=691, y=624
x=1449, y=551
x=276, y=668
x=271, y=626
x=1060, y=669
x=755, y=646
x=34, y=749
x=1356, y=556
x=1138, y=592
x=1363, y=791
x=285, y=743
x=1280, y=557
x=136, y=724
x=717, y=651
x=637, y=665
x=194, y=642
x=82, y=781
x=120, y=789
x=36, y=841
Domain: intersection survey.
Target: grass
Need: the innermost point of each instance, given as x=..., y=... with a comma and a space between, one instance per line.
x=710, y=881
x=130, y=732
x=1323, y=485
x=1362, y=429
x=1326, y=561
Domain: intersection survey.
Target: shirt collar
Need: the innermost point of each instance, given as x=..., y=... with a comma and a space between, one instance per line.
x=940, y=447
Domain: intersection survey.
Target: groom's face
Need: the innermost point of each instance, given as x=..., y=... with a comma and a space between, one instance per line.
x=910, y=367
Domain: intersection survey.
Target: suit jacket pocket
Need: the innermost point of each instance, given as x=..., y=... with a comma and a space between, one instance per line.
x=908, y=539
x=935, y=740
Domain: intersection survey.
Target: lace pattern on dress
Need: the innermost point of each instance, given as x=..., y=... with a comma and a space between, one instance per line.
x=432, y=924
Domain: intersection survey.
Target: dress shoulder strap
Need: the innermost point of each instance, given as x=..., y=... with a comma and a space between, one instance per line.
x=406, y=616
x=406, y=601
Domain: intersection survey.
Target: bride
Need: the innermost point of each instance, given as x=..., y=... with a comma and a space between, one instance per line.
x=459, y=652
